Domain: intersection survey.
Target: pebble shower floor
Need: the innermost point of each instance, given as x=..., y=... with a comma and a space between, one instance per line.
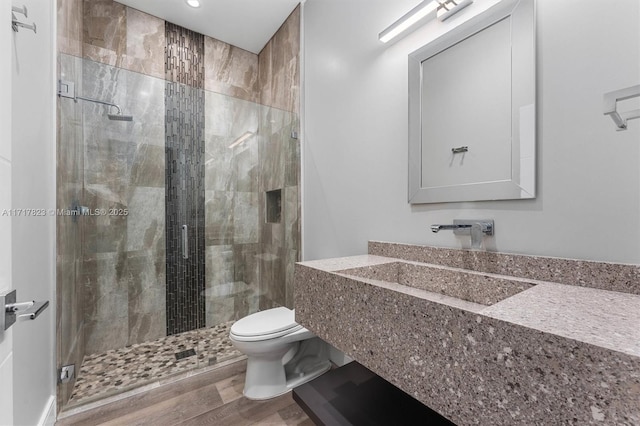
x=122, y=369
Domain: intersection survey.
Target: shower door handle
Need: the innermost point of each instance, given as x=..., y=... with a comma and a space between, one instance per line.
x=185, y=242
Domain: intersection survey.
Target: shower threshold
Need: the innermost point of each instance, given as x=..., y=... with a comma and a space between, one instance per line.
x=117, y=371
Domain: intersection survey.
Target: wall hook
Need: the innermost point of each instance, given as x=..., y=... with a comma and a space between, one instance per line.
x=21, y=10
x=15, y=24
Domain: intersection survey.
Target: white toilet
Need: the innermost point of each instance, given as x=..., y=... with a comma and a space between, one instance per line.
x=281, y=354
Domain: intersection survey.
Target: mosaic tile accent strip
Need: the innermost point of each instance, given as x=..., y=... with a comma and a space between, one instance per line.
x=122, y=369
x=185, y=196
x=184, y=62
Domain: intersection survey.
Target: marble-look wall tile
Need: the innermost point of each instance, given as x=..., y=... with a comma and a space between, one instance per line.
x=229, y=117
x=219, y=218
x=118, y=35
x=220, y=309
x=220, y=284
x=145, y=219
x=70, y=26
x=265, y=73
x=145, y=43
x=103, y=233
x=272, y=277
x=246, y=264
x=148, y=168
x=286, y=41
x=219, y=266
x=105, y=31
x=273, y=160
x=138, y=95
x=220, y=173
x=273, y=234
x=278, y=66
x=247, y=166
x=143, y=98
x=146, y=296
x=247, y=278
x=292, y=157
x=226, y=119
x=245, y=218
x=291, y=225
x=230, y=70
x=108, y=163
x=106, y=302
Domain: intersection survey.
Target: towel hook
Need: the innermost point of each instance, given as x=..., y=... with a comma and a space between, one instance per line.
x=15, y=24
x=21, y=10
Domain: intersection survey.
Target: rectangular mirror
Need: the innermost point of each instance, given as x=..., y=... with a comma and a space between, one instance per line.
x=472, y=116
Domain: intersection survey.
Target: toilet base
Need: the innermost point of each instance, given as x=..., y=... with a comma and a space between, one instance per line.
x=268, y=378
x=260, y=393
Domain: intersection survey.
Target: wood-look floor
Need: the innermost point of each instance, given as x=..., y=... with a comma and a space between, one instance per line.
x=211, y=398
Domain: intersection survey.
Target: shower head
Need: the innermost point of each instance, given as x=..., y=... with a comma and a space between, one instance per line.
x=120, y=117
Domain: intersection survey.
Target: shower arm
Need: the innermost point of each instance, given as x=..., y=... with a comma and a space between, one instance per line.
x=98, y=102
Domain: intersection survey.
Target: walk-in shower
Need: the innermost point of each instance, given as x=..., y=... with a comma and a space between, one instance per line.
x=184, y=235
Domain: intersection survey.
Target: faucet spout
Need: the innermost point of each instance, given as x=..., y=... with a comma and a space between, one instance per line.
x=437, y=228
x=476, y=228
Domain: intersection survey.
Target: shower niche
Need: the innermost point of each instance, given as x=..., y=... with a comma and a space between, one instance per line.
x=274, y=206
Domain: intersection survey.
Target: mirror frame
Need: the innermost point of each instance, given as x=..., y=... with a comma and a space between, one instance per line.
x=522, y=184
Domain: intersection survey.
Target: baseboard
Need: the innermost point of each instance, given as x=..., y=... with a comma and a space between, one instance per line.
x=48, y=417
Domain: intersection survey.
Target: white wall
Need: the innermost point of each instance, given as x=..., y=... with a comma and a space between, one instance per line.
x=33, y=186
x=6, y=338
x=355, y=135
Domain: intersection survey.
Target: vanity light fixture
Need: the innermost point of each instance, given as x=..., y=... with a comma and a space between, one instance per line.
x=444, y=8
x=408, y=20
x=193, y=3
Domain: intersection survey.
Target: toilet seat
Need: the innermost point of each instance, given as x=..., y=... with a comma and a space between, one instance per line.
x=265, y=325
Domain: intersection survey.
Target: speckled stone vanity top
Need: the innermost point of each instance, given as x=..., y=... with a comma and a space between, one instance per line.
x=480, y=347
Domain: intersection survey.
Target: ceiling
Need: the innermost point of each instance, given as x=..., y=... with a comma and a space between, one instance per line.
x=248, y=24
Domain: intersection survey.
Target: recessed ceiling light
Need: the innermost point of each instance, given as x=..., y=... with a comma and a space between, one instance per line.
x=193, y=3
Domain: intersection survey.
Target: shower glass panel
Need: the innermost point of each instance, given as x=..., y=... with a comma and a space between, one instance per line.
x=137, y=302
x=231, y=215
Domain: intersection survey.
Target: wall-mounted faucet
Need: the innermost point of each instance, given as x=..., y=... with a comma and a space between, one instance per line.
x=476, y=228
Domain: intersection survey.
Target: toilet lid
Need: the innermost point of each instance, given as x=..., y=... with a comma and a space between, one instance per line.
x=265, y=322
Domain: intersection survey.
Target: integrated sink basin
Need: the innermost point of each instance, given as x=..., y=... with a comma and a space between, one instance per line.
x=470, y=286
x=553, y=354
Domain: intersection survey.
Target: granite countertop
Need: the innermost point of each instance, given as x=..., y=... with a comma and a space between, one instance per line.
x=608, y=319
